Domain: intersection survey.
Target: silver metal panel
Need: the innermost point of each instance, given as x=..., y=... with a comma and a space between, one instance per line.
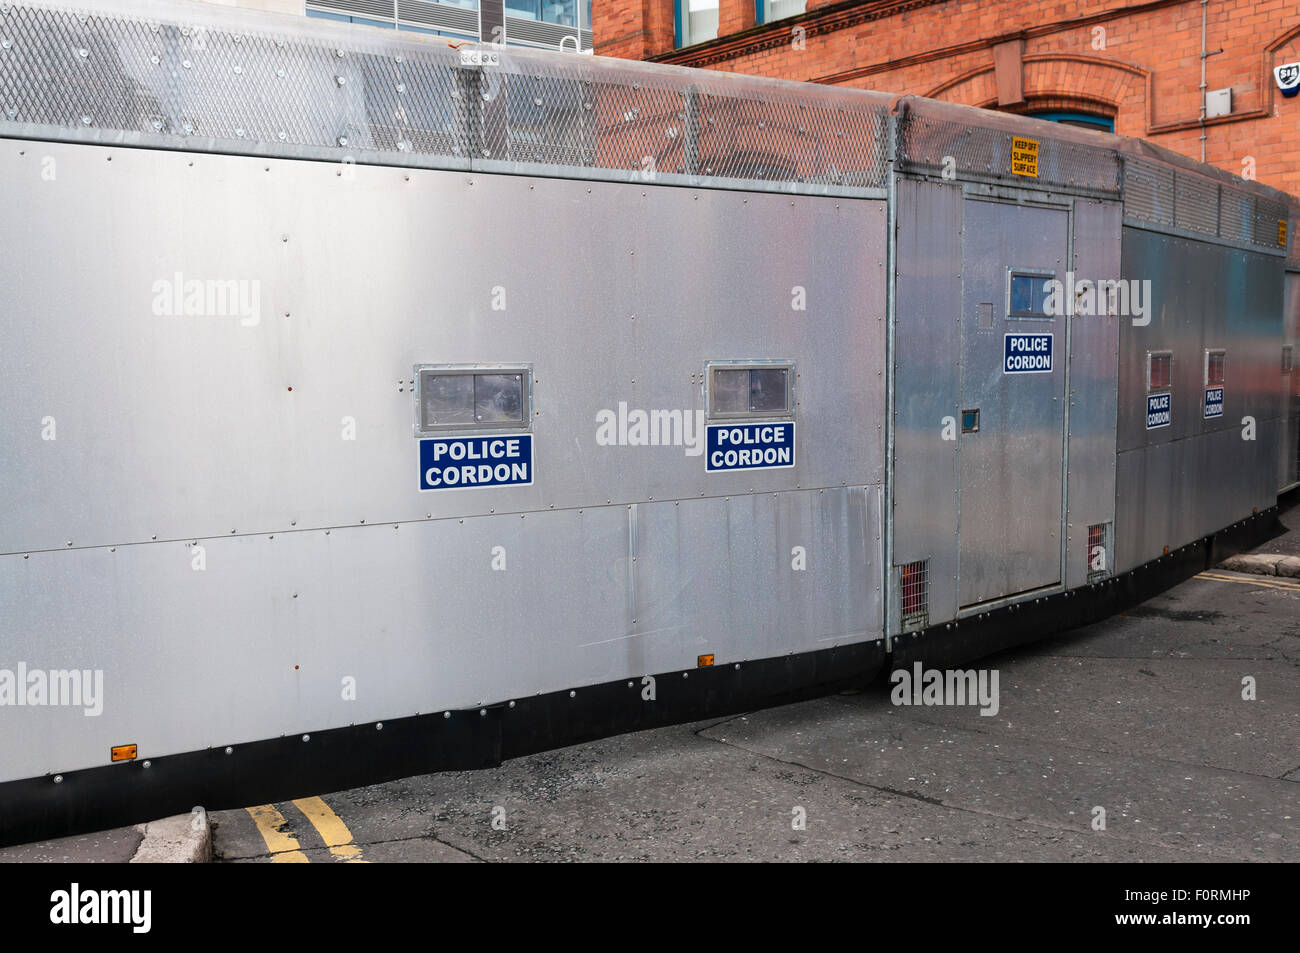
x=1172, y=494
x=1011, y=469
x=259, y=643
x=721, y=575
x=181, y=427
x=926, y=388
x=1289, y=442
x=1202, y=296
x=1094, y=358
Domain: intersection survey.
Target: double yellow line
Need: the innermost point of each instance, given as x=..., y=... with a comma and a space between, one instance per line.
x=284, y=847
x=1260, y=582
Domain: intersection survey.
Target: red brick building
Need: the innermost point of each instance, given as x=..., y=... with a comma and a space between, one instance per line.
x=1134, y=67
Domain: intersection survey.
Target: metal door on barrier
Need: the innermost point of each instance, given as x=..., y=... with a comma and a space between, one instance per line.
x=1013, y=359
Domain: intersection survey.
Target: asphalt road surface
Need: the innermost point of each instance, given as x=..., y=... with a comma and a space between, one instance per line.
x=1142, y=715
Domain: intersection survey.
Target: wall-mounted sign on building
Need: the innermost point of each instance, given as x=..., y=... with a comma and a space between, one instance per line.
x=1288, y=78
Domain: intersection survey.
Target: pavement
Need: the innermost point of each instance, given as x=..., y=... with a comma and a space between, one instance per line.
x=1168, y=733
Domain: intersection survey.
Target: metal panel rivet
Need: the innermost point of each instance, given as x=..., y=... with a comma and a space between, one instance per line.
x=482, y=712
x=238, y=71
x=379, y=726
x=306, y=737
x=512, y=704
x=573, y=694
x=58, y=779
x=446, y=714
x=83, y=53
x=85, y=120
x=230, y=751
x=148, y=764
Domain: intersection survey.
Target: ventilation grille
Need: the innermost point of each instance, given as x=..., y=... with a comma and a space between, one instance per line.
x=1098, y=551
x=914, y=594
x=1178, y=199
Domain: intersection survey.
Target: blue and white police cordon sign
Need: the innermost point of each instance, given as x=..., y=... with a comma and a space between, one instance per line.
x=749, y=447
x=1288, y=78
x=1159, y=411
x=1214, y=402
x=1027, y=353
x=454, y=463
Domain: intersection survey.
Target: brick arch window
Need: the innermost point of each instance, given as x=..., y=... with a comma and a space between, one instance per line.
x=1074, y=118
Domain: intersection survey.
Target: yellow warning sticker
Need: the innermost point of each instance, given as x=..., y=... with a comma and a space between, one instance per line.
x=1281, y=233
x=1024, y=156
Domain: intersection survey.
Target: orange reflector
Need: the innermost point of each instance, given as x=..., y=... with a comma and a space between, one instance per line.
x=704, y=661
x=1254, y=510
x=124, y=752
x=1166, y=550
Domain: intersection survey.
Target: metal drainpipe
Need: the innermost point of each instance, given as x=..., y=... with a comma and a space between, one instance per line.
x=1204, y=57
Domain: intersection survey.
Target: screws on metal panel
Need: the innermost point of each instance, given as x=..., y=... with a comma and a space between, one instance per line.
x=379, y=726
x=446, y=714
x=306, y=737
x=58, y=779
x=230, y=751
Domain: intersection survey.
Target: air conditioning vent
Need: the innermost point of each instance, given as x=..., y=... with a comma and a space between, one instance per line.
x=914, y=594
x=1098, y=551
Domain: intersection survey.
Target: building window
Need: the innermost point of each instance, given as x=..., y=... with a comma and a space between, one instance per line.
x=466, y=397
x=1214, y=367
x=1159, y=370
x=697, y=21
x=760, y=389
x=1085, y=120
x=769, y=11
x=1029, y=294
x=559, y=12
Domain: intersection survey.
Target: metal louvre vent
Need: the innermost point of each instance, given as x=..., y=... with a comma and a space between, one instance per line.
x=1148, y=192
x=914, y=594
x=233, y=81
x=1181, y=200
x=1098, y=551
x=439, y=15
x=1196, y=204
x=925, y=143
x=538, y=31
